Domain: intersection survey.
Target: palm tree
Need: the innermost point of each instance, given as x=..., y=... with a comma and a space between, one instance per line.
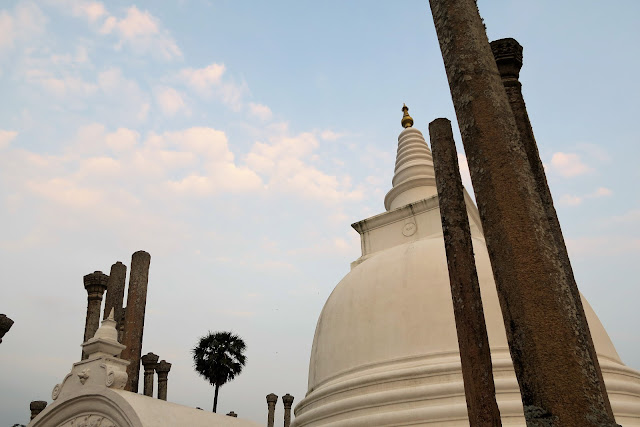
x=218, y=358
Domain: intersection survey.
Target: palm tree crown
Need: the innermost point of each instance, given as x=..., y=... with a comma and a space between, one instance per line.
x=218, y=358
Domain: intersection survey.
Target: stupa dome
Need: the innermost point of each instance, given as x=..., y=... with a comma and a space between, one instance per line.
x=385, y=350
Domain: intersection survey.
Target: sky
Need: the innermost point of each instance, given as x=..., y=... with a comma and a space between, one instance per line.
x=237, y=141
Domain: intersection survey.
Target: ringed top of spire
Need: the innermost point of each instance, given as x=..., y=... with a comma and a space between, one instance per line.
x=406, y=121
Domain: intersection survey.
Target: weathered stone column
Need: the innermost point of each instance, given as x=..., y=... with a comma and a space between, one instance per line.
x=149, y=362
x=473, y=342
x=546, y=329
x=120, y=327
x=162, y=368
x=36, y=407
x=134, y=316
x=508, y=56
x=272, y=399
x=232, y=414
x=5, y=324
x=95, y=284
x=115, y=292
x=287, y=399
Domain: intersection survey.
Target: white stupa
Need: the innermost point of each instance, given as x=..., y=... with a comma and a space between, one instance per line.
x=385, y=350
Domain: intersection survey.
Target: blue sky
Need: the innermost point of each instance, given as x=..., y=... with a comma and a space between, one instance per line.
x=237, y=141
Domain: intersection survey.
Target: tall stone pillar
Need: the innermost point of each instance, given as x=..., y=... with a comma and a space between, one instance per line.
x=473, y=342
x=36, y=407
x=134, y=316
x=546, y=330
x=149, y=362
x=115, y=292
x=95, y=284
x=287, y=399
x=162, y=368
x=508, y=55
x=5, y=324
x=272, y=399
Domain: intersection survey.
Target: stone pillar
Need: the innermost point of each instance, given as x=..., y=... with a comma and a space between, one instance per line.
x=163, y=368
x=36, y=407
x=5, y=324
x=120, y=327
x=287, y=399
x=134, y=316
x=115, y=292
x=149, y=362
x=95, y=284
x=545, y=327
x=272, y=399
x=473, y=342
x=508, y=56
x=232, y=414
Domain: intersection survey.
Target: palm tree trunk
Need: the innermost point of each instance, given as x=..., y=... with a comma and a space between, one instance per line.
x=215, y=398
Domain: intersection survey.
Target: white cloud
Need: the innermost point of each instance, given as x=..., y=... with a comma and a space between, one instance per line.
x=122, y=139
x=130, y=101
x=25, y=22
x=66, y=192
x=6, y=136
x=61, y=86
x=216, y=170
x=330, y=135
x=6, y=30
x=208, y=81
x=568, y=164
x=170, y=101
x=260, y=111
x=571, y=200
x=232, y=94
x=285, y=161
x=92, y=10
x=203, y=79
x=143, y=33
x=601, y=192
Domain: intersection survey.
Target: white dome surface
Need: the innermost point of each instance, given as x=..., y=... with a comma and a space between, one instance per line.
x=385, y=350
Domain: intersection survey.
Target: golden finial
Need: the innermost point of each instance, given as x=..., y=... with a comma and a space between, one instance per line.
x=407, y=121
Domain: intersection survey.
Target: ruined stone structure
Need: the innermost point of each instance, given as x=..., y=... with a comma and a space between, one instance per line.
x=115, y=292
x=540, y=302
x=36, y=407
x=134, y=316
x=95, y=284
x=149, y=362
x=162, y=368
x=287, y=400
x=5, y=324
x=475, y=356
x=272, y=399
x=93, y=394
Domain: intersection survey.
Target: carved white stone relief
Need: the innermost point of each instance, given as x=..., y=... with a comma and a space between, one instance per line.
x=88, y=420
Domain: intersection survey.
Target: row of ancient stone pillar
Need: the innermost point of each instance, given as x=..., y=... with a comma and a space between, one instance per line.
x=129, y=319
x=538, y=294
x=162, y=368
x=272, y=399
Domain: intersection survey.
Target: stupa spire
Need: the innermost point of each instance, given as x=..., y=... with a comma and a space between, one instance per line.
x=406, y=121
x=414, y=177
